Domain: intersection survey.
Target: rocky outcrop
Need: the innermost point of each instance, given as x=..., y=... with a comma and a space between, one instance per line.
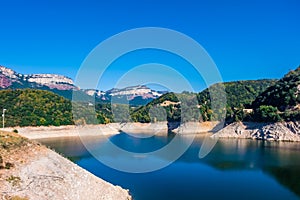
x=62, y=85
x=139, y=94
x=9, y=77
x=53, y=81
x=4, y=81
x=280, y=131
x=134, y=91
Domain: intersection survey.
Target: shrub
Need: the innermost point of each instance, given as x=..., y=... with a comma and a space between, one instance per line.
x=267, y=114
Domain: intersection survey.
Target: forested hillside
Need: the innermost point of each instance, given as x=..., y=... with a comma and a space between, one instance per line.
x=30, y=107
x=271, y=101
x=280, y=101
x=34, y=108
x=239, y=94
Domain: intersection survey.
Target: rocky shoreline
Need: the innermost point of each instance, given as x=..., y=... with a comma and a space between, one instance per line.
x=195, y=127
x=36, y=172
x=158, y=129
x=43, y=132
x=280, y=131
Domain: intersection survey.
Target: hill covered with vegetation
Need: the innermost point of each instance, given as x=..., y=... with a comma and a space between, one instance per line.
x=239, y=94
x=281, y=101
x=34, y=107
x=267, y=100
x=30, y=107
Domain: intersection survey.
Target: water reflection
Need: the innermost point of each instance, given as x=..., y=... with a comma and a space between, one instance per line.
x=245, y=164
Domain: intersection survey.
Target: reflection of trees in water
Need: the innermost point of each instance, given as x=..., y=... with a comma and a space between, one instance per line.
x=281, y=160
x=288, y=176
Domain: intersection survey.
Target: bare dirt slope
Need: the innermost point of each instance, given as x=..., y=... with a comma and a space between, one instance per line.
x=31, y=171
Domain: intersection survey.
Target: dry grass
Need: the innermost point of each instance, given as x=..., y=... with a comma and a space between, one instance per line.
x=13, y=147
x=9, y=140
x=18, y=198
x=9, y=143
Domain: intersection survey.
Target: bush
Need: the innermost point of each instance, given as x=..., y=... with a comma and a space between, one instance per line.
x=15, y=131
x=267, y=114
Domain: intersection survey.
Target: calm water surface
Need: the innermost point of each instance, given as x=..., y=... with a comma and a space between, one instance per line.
x=235, y=169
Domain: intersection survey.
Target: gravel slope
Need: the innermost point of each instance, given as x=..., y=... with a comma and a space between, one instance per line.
x=39, y=173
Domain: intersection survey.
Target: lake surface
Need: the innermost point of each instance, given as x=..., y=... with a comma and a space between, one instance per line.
x=234, y=169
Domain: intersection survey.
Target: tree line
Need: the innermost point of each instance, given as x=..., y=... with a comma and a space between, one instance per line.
x=267, y=100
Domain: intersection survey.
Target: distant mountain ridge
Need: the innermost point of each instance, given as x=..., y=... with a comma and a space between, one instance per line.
x=259, y=101
x=64, y=86
x=131, y=93
x=11, y=79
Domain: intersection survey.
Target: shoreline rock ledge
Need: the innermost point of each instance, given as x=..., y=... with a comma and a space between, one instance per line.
x=279, y=131
x=40, y=173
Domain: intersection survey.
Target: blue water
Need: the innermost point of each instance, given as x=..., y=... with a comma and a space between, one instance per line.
x=235, y=169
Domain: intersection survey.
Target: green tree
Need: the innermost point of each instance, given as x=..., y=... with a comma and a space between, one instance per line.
x=267, y=114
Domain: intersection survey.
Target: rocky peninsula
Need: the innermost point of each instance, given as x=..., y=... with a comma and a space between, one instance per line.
x=30, y=171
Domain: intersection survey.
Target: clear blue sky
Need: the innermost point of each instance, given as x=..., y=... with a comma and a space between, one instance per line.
x=246, y=39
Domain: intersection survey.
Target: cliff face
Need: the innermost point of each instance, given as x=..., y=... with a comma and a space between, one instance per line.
x=8, y=76
x=134, y=95
x=53, y=81
x=12, y=79
x=280, y=131
x=134, y=91
x=64, y=86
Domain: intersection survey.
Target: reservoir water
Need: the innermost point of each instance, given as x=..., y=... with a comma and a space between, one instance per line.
x=234, y=169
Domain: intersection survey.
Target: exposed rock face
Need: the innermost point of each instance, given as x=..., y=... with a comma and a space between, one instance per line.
x=95, y=92
x=139, y=94
x=4, y=81
x=52, y=81
x=59, y=178
x=159, y=128
x=280, y=131
x=133, y=91
x=8, y=77
x=195, y=127
x=9, y=73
